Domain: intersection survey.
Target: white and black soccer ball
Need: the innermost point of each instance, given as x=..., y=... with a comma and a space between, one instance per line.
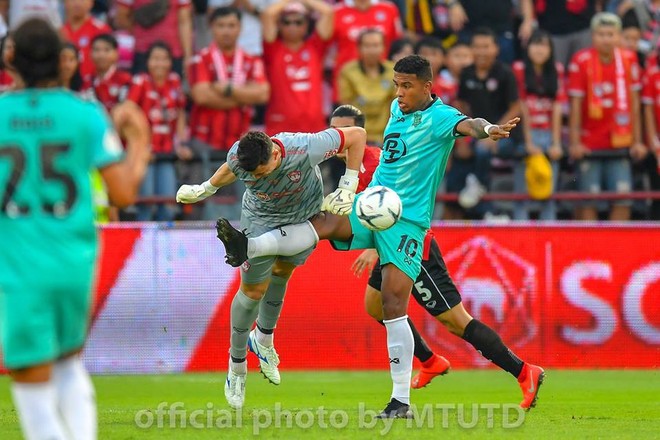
x=378, y=208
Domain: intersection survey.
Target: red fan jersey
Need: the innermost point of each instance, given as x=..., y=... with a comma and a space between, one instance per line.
x=296, y=103
x=109, y=90
x=162, y=104
x=350, y=22
x=82, y=38
x=539, y=107
x=6, y=81
x=221, y=128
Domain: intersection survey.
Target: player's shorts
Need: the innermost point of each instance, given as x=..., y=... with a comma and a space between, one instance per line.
x=257, y=270
x=401, y=245
x=46, y=317
x=433, y=289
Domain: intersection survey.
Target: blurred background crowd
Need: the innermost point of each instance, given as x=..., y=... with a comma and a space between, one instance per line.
x=582, y=74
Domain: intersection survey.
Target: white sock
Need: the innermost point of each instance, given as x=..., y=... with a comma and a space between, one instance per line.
x=286, y=241
x=263, y=338
x=36, y=404
x=400, y=347
x=239, y=368
x=76, y=398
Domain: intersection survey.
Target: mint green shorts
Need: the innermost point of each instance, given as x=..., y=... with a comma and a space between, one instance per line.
x=44, y=319
x=401, y=245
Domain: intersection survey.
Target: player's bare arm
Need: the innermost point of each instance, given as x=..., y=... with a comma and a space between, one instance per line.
x=195, y=193
x=482, y=129
x=123, y=178
x=340, y=202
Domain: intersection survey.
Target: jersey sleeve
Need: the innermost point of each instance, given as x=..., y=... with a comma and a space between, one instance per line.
x=232, y=159
x=106, y=148
x=577, y=80
x=445, y=120
x=323, y=145
x=136, y=89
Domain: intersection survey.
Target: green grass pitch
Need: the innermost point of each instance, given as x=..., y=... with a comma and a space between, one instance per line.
x=583, y=404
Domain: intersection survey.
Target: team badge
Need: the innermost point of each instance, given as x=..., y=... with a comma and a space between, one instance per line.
x=417, y=119
x=245, y=266
x=294, y=176
x=263, y=196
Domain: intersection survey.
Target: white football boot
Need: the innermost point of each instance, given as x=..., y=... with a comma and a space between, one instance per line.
x=235, y=389
x=268, y=359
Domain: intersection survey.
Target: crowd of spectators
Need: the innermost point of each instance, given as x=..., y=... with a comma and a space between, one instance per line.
x=582, y=74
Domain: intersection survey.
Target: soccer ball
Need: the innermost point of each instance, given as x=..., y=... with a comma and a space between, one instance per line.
x=378, y=208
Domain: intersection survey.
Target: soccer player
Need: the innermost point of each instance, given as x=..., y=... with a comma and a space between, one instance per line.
x=421, y=131
x=49, y=141
x=435, y=292
x=283, y=186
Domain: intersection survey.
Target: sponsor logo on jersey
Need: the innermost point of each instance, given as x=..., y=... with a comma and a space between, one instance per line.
x=330, y=153
x=294, y=176
x=417, y=119
x=394, y=148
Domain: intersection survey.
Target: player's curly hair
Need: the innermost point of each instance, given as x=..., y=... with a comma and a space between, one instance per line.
x=254, y=149
x=415, y=65
x=37, y=48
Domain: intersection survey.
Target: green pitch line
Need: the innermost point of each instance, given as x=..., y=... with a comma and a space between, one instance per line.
x=341, y=405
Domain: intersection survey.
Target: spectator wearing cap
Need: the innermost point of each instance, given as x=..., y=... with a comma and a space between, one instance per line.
x=294, y=61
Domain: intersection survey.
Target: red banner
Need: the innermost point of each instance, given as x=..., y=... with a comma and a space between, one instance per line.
x=561, y=296
x=568, y=297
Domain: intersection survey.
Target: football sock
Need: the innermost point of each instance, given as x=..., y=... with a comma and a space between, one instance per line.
x=422, y=351
x=36, y=404
x=243, y=313
x=286, y=241
x=76, y=399
x=400, y=349
x=490, y=345
x=239, y=368
x=270, y=308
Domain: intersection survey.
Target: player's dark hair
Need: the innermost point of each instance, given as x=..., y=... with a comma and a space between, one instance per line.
x=350, y=111
x=549, y=81
x=415, y=65
x=484, y=32
x=160, y=44
x=430, y=42
x=630, y=20
x=224, y=11
x=76, y=80
x=106, y=38
x=37, y=52
x=254, y=149
x=369, y=31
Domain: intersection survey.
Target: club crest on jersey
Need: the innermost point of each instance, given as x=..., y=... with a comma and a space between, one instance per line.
x=262, y=196
x=294, y=176
x=417, y=119
x=245, y=266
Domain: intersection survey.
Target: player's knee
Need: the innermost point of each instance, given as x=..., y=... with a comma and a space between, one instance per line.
x=254, y=291
x=393, y=306
x=282, y=270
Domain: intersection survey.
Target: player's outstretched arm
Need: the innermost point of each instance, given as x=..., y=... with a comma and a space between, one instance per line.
x=340, y=202
x=482, y=129
x=194, y=193
x=123, y=178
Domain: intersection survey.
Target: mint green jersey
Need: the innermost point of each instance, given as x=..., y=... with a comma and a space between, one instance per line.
x=50, y=140
x=416, y=148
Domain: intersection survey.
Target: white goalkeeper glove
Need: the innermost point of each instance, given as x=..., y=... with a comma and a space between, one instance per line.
x=195, y=193
x=340, y=202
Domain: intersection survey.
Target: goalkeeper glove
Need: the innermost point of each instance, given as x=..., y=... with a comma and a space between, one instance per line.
x=195, y=193
x=340, y=202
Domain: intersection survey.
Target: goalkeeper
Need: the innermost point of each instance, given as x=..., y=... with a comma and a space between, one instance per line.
x=283, y=186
